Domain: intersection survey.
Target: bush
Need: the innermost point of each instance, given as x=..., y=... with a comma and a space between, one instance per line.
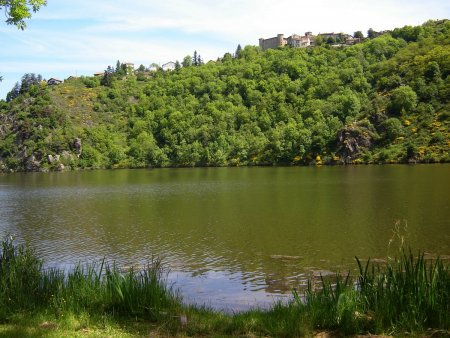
x=392, y=128
x=403, y=99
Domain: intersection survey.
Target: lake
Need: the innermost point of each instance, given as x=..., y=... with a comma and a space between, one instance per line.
x=231, y=238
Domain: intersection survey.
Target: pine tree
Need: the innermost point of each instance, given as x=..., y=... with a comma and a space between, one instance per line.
x=15, y=91
x=107, y=78
x=199, y=60
x=238, y=51
x=195, y=59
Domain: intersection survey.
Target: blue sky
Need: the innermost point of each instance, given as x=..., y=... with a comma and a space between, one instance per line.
x=80, y=37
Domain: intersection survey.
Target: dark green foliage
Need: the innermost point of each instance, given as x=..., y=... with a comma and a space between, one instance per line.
x=238, y=51
x=187, y=61
x=358, y=35
x=20, y=273
x=90, y=82
x=408, y=33
x=279, y=107
x=403, y=99
x=13, y=93
x=392, y=128
x=371, y=34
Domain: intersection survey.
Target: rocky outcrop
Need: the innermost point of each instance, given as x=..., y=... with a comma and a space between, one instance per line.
x=76, y=145
x=32, y=163
x=353, y=139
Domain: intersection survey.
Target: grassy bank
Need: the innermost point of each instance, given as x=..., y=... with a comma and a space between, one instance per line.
x=408, y=294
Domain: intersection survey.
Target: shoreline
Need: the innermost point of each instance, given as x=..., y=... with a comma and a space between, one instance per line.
x=10, y=171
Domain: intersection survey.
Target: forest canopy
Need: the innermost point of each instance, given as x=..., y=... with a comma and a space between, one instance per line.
x=385, y=100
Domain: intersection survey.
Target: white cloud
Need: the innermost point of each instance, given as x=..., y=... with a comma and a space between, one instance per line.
x=248, y=19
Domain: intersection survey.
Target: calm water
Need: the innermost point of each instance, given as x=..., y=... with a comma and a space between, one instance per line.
x=231, y=237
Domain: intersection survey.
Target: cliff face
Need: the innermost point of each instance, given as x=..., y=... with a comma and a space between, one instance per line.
x=386, y=100
x=32, y=135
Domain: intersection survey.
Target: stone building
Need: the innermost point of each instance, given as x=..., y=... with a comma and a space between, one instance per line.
x=294, y=40
x=272, y=43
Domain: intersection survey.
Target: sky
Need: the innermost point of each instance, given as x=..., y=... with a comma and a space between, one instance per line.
x=81, y=37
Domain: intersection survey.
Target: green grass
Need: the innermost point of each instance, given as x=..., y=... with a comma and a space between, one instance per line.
x=87, y=289
x=406, y=295
x=410, y=293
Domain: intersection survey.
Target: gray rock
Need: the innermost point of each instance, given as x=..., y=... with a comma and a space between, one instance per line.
x=353, y=139
x=32, y=164
x=66, y=155
x=60, y=167
x=76, y=144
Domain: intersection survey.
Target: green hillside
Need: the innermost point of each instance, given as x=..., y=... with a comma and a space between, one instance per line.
x=386, y=100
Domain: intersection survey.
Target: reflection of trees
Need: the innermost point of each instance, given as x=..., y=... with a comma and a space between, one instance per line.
x=271, y=225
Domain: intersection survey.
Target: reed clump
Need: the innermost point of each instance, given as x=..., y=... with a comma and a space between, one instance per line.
x=27, y=286
x=406, y=294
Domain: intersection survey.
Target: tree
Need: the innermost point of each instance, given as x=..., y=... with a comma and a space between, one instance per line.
x=392, y=128
x=331, y=40
x=141, y=68
x=433, y=71
x=195, y=59
x=15, y=91
x=17, y=11
x=238, y=51
x=118, y=66
x=28, y=80
x=403, y=98
x=408, y=33
x=319, y=40
x=154, y=66
x=358, y=35
x=371, y=34
x=177, y=65
x=187, y=61
x=199, y=60
x=107, y=79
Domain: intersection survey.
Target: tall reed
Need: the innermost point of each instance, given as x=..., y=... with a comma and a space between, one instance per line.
x=25, y=285
x=409, y=293
x=406, y=294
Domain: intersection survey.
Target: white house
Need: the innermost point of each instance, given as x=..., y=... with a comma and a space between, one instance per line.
x=153, y=67
x=168, y=66
x=53, y=81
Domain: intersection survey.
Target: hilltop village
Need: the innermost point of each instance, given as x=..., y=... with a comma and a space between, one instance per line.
x=310, y=40
x=295, y=41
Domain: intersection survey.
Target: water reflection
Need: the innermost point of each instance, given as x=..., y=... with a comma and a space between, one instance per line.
x=231, y=237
